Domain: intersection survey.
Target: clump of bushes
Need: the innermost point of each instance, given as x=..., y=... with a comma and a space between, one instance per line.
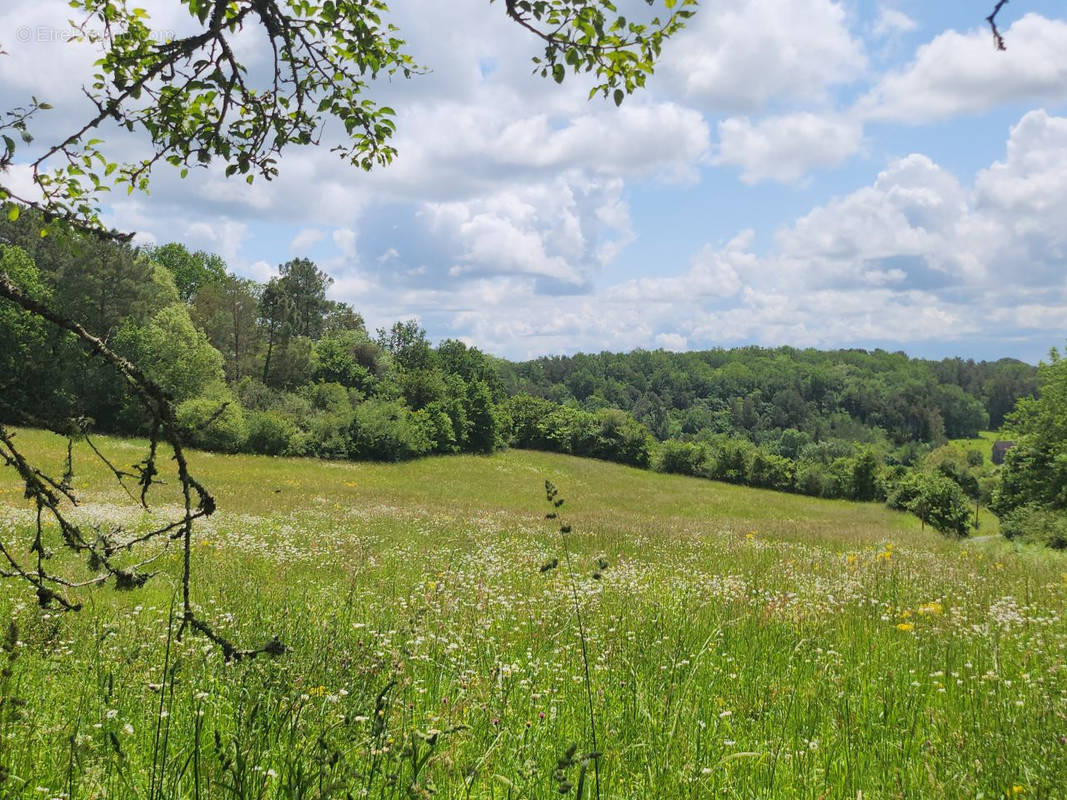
x=1034, y=524
x=214, y=420
x=387, y=430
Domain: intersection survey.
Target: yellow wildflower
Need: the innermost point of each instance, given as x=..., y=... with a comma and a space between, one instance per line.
x=931, y=608
x=905, y=626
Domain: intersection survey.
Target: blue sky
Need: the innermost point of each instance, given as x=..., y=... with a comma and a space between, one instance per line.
x=827, y=173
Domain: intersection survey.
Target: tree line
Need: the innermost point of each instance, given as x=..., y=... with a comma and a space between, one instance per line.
x=279, y=368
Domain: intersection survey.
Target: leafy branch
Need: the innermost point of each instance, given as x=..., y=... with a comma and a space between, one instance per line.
x=197, y=102
x=593, y=37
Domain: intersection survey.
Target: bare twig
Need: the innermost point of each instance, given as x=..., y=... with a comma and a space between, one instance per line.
x=48, y=495
x=998, y=39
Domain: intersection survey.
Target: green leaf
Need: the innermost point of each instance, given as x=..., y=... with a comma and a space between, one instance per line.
x=619, y=95
x=558, y=73
x=13, y=213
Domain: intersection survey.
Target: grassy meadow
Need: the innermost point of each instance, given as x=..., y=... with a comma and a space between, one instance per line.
x=741, y=643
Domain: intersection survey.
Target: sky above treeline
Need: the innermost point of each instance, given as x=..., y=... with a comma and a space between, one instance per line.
x=799, y=172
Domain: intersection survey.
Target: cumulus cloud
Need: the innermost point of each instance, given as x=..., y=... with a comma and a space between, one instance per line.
x=345, y=240
x=911, y=209
x=960, y=73
x=892, y=21
x=713, y=273
x=741, y=56
x=556, y=231
x=788, y=147
x=305, y=239
x=510, y=205
x=916, y=256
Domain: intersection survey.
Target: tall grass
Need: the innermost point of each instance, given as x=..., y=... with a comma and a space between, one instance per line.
x=742, y=644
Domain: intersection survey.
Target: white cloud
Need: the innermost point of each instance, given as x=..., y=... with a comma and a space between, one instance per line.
x=909, y=210
x=305, y=239
x=557, y=230
x=1021, y=200
x=915, y=257
x=893, y=21
x=741, y=56
x=224, y=237
x=345, y=240
x=788, y=147
x=712, y=274
x=260, y=271
x=671, y=341
x=961, y=73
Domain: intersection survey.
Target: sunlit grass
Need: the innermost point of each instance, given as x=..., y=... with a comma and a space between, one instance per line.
x=743, y=644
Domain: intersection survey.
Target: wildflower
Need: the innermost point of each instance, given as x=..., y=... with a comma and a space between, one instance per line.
x=931, y=608
x=905, y=626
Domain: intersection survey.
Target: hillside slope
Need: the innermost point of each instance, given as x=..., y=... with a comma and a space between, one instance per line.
x=741, y=643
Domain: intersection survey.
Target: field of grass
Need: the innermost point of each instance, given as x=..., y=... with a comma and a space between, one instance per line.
x=983, y=444
x=741, y=643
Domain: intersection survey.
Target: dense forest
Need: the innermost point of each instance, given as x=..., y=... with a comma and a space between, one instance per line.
x=759, y=393
x=278, y=368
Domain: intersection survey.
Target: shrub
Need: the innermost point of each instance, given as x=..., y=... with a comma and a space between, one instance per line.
x=567, y=429
x=269, y=433
x=523, y=415
x=682, y=458
x=622, y=439
x=172, y=352
x=1031, y=523
x=384, y=430
x=483, y=432
x=769, y=471
x=811, y=479
x=865, y=484
x=214, y=420
x=731, y=460
x=438, y=427
x=326, y=435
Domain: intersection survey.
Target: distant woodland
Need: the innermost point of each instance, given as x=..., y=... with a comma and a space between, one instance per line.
x=280, y=369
